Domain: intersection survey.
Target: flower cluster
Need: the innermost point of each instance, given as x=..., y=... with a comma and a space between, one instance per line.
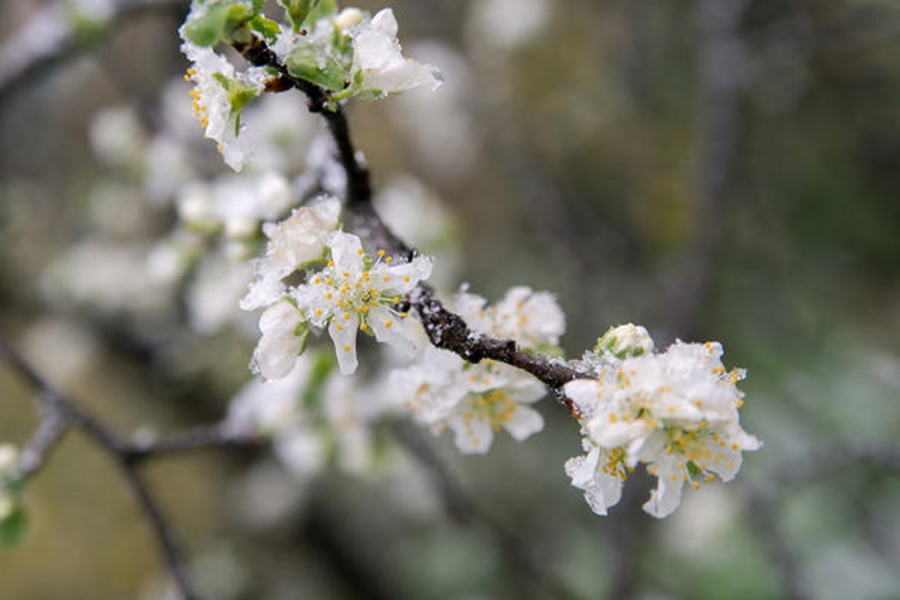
x=676, y=411
x=346, y=53
x=353, y=292
x=475, y=400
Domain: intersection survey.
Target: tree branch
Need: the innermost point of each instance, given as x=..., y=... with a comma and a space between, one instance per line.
x=445, y=329
x=49, y=39
x=61, y=412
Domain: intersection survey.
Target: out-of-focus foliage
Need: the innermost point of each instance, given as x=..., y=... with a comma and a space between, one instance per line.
x=571, y=143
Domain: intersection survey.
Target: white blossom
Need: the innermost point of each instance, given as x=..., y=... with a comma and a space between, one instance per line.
x=213, y=105
x=473, y=400
x=283, y=338
x=533, y=319
x=677, y=412
x=378, y=62
x=293, y=243
x=356, y=292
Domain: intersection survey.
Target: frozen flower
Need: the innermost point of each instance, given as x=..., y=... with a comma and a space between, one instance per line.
x=473, y=400
x=293, y=243
x=284, y=332
x=533, y=319
x=677, y=412
x=219, y=94
x=379, y=67
x=356, y=292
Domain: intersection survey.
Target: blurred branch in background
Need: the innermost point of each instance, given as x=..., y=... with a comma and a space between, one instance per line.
x=51, y=37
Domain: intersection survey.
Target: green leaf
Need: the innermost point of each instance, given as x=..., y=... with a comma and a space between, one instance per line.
x=239, y=94
x=267, y=28
x=297, y=11
x=320, y=9
x=14, y=527
x=221, y=19
x=312, y=64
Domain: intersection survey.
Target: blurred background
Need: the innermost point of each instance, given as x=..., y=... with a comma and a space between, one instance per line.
x=712, y=169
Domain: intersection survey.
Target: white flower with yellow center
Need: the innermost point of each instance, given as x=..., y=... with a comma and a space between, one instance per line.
x=293, y=244
x=533, y=319
x=358, y=292
x=677, y=412
x=218, y=95
x=473, y=400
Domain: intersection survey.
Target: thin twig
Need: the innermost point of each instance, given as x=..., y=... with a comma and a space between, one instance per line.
x=50, y=39
x=59, y=408
x=445, y=329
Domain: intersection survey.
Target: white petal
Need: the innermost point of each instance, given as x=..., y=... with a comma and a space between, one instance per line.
x=343, y=334
x=524, y=422
x=667, y=495
x=346, y=252
x=473, y=435
x=401, y=333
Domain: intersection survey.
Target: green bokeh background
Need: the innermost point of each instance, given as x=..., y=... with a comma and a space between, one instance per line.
x=742, y=188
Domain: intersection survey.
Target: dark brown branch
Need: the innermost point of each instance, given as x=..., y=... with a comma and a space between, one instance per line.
x=445, y=329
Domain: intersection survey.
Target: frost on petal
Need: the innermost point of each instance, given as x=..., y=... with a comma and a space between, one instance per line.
x=675, y=411
x=379, y=62
x=211, y=73
x=346, y=252
x=281, y=341
x=601, y=489
x=293, y=243
x=343, y=333
x=399, y=332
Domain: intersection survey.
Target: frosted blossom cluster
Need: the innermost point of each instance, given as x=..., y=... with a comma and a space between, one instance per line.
x=353, y=292
x=475, y=400
x=676, y=411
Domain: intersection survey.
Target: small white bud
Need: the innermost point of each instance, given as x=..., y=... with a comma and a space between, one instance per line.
x=625, y=340
x=348, y=18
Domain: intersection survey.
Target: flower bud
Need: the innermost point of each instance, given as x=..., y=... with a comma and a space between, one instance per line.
x=625, y=340
x=348, y=18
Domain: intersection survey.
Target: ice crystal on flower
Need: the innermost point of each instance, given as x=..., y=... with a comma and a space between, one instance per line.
x=356, y=292
x=533, y=319
x=353, y=292
x=293, y=243
x=476, y=400
x=219, y=94
x=677, y=412
x=379, y=67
